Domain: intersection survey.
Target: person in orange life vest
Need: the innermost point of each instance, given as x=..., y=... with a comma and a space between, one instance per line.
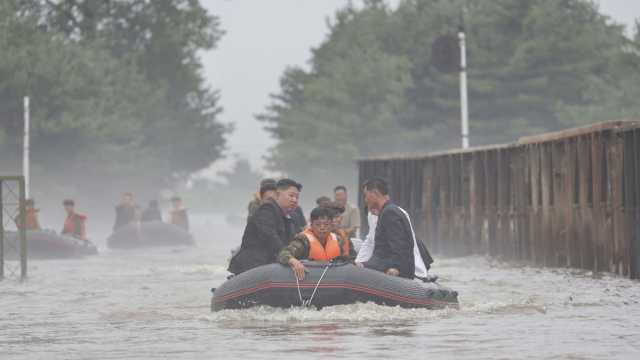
x=31, y=216
x=336, y=210
x=316, y=243
x=75, y=223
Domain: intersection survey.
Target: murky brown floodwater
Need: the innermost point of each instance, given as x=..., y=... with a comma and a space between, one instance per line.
x=155, y=304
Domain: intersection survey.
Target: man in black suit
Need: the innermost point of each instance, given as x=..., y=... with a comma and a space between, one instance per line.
x=396, y=252
x=269, y=229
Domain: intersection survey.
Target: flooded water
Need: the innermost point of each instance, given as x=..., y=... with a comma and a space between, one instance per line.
x=155, y=304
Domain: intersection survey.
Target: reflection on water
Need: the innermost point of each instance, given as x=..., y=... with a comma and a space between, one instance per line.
x=154, y=303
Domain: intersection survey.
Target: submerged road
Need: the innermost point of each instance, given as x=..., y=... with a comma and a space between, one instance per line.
x=149, y=304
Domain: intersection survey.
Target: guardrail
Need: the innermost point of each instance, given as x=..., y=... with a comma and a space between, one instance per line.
x=13, y=254
x=570, y=198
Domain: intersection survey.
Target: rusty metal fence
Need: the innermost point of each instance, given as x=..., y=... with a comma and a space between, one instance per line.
x=570, y=198
x=13, y=241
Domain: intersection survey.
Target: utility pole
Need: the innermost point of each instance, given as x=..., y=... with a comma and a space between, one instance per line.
x=26, y=148
x=464, y=102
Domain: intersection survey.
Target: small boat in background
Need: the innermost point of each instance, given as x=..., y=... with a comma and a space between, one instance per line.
x=47, y=244
x=149, y=234
x=327, y=284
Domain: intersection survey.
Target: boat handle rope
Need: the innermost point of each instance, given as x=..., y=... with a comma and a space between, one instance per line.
x=307, y=303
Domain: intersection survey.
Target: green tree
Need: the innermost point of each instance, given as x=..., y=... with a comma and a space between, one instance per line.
x=372, y=87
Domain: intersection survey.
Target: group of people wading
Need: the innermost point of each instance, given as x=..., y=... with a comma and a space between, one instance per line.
x=127, y=212
x=277, y=231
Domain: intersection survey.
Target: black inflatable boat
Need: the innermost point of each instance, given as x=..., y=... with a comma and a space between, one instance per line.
x=327, y=285
x=149, y=234
x=46, y=244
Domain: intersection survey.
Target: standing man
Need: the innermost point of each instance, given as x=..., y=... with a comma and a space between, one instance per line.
x=31, y=216
x=396, y=251
x=75, y=223
x=179, y=216
x=126, y=211
x=351, y=217
x=267, y=190
x=269, y=229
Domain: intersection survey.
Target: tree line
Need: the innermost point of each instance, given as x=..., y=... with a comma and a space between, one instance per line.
x=117, y=91
x=373, y=86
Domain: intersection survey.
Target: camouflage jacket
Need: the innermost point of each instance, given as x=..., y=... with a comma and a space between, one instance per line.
x=299, y=248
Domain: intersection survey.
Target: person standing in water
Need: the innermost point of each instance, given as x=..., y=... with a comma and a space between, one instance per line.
x=127, y=212
x=179, y=216
x=75, y=223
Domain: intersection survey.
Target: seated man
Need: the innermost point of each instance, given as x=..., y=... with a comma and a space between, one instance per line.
x=268, y=230
x=396, y=250
x=316, y=243
x=75, y=223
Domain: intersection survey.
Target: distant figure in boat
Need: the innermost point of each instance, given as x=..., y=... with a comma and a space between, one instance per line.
x=269, y=230
x=31, y=216
x=316, y=243
x=152, y=212
x=75, y=223
x=179, y=216
x=396, y=251
x=351, y=217
x=266, y=190
x=127, y=212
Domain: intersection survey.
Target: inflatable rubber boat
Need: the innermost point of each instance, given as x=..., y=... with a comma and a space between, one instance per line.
x=327, y=284
x=46, y=244
x=149, y=234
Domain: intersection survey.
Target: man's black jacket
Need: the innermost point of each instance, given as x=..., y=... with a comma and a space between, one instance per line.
x=394, y=242
x=268, y=230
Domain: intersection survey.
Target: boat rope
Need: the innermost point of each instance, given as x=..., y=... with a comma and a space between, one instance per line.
x=307, y=303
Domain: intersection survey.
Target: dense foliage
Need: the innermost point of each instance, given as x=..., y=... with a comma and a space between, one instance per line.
x=372, y=87
x=117, y=92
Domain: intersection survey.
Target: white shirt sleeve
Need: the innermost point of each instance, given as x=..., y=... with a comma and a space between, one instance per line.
x=366, y=250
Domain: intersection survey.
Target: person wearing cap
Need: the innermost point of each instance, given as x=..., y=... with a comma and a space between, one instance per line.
x=31, y=216
x=267, y=190
x=75, y=223
x=178, y=215
x=268, y=230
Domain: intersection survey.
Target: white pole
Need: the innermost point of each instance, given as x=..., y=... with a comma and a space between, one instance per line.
x=464, y=105
x=25, y=152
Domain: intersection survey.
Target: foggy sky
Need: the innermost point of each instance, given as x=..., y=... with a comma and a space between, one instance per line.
x=264, y=37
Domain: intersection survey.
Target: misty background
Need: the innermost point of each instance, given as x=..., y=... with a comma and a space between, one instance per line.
x=171, y=98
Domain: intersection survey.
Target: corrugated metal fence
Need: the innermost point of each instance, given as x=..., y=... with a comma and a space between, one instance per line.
x=570, y=198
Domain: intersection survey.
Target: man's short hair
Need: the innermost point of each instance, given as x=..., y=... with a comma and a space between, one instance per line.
x=267, y=186
x=176, y=198
x=322, y=200
x=376, y=184
x=30, y=202
x=267, y=181
x=68, y=202
x=285, y=184
x=319, y=213
x=335, y=209
x=129, y=194
x=340, y=187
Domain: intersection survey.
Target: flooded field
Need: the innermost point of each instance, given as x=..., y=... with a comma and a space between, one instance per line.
x=155, y=304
